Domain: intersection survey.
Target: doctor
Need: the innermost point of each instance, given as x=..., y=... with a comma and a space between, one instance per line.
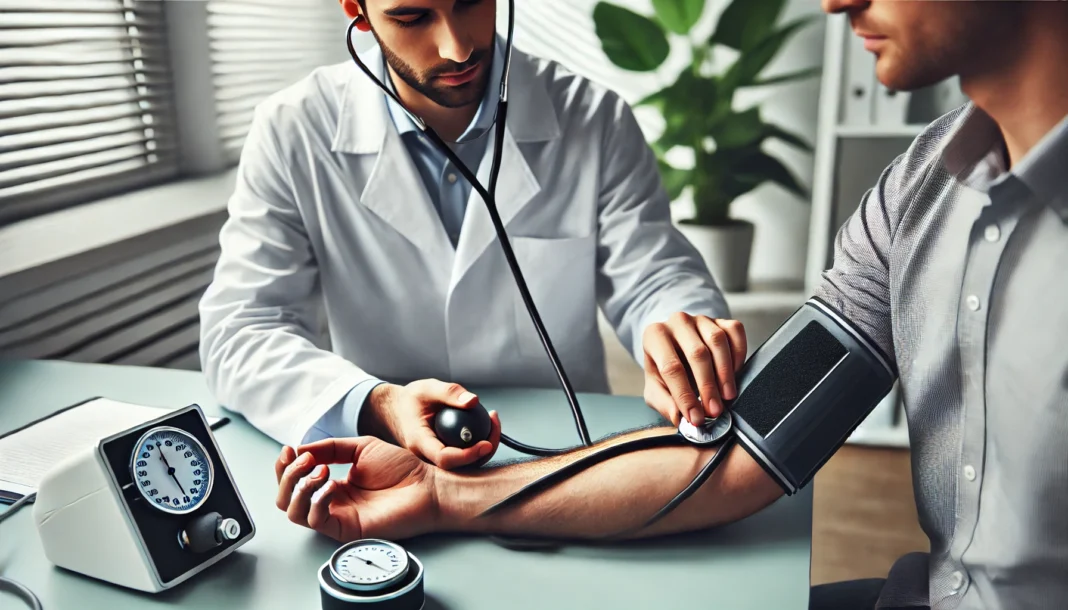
x=344, y=218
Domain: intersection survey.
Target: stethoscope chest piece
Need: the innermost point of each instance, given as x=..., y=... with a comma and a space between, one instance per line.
x=711, y=433
x=372, y=573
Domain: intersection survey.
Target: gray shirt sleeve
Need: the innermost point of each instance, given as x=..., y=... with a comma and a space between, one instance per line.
x=858, y=283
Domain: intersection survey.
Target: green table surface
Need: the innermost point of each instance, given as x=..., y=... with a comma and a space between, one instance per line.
x=761, y=562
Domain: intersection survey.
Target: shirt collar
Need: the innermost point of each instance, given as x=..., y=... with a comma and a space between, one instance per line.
x=975, y=154
x=483, y=119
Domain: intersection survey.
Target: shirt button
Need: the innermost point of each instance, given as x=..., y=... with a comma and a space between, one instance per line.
x=956, y=580
x=452, y=178
x=969, y=472
x=972, y=302
x=992, y=233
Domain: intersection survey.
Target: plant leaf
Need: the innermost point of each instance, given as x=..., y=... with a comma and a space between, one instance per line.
x=739, y=130
x=631, y=41
x=774, y=131
x=744, y=23
x=687, y=107
x=712, y=194
x=785, y=78
x=751, y=63
x=759, y=167
x=679, y=15
x=674, y=179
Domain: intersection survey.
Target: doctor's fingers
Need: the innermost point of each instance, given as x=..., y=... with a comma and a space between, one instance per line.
x=657, y=397
x=735, y=335
x=674, y=371
x=441, y=392
x=428, y=447
x=300, y=501
x=704, y=359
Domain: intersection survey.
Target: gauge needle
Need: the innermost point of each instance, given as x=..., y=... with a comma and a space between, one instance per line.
x=170, y=470
x=371, y=563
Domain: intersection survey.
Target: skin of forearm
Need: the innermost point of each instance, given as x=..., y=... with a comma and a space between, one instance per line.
x=617, y=495
x=373, y=417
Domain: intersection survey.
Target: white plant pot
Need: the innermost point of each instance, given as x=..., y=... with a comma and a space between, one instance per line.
x=726, y=250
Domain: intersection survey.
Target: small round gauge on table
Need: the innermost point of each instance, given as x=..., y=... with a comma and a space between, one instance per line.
x=369, y=565
x=171, y=470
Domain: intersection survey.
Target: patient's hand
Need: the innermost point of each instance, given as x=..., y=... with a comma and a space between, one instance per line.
x=388, y=493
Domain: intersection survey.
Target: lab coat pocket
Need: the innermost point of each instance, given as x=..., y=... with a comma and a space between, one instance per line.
x=560, y=274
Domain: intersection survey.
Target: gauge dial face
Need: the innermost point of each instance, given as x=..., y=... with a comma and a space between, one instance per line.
x=369, y=564
x=171, y=470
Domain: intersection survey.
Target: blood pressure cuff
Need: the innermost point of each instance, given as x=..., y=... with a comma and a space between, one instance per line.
x=805, y=390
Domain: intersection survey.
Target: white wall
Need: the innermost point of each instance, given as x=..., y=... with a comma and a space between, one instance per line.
x=563, y=30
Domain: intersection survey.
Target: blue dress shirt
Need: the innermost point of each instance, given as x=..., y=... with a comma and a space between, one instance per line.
x=448, y=191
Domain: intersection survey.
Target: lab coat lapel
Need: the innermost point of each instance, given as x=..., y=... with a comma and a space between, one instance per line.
x=395, y=193
x=516, y=187
x=531, y=118
x=394, y=190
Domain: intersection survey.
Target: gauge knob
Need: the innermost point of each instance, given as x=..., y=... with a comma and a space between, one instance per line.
x=207, y=532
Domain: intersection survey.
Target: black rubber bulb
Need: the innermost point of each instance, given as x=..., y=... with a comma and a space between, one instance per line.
x=462, y=428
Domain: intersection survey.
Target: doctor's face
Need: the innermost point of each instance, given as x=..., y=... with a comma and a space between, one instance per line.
x=921, y=42
x=441, y=48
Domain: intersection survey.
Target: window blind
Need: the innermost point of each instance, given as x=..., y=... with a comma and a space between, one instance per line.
x=259, y=47
x=84, y=102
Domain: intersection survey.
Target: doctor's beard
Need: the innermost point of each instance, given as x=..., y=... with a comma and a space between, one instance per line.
x=447, y=96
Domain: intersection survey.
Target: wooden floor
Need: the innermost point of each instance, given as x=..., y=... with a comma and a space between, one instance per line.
x=863, y=514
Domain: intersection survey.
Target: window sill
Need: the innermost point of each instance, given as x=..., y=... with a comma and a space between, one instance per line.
x=61, y=235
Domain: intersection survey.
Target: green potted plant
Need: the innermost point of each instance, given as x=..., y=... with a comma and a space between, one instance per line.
x=699, y=114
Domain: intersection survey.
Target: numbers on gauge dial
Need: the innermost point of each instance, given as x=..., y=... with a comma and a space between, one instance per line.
x=372, y=564
x=172, y=471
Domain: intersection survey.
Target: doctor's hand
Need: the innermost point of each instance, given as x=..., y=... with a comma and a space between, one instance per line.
x=388, y=493
x=405, y=414
x=690, y=363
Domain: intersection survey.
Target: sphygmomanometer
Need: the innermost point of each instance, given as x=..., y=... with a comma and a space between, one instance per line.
x=800, y=395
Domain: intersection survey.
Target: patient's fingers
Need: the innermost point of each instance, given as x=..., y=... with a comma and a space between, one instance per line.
x=290, y=476
x=301, y=500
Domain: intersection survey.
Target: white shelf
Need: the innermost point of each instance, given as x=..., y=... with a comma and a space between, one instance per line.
x=767, y=297
x=878, y=131
x=741, y=302
x=895, y=437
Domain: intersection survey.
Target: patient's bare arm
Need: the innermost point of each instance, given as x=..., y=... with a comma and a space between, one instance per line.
x=616, y=495
x=390, y=493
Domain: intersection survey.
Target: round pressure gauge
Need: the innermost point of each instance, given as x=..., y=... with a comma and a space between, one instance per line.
x=172, y=470
x=372, y=573
x=368, y=565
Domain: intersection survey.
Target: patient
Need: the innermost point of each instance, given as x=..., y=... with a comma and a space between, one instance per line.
x=390, y=493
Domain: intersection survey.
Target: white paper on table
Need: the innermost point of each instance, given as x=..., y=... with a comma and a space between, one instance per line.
x=28, y=454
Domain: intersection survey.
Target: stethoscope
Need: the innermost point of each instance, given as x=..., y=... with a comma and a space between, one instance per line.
x=714, y=432
x=401, y=587
x=491, y=205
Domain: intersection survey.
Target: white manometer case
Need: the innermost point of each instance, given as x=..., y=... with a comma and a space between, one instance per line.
x=114, y=511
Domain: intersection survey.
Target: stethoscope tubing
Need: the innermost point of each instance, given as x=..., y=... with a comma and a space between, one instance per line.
x=489, y=199
x=491, y=206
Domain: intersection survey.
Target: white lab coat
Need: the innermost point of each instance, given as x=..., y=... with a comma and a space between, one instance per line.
x=330, y=215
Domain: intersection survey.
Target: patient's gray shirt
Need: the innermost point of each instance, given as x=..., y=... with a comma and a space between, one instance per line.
x=959, y=270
